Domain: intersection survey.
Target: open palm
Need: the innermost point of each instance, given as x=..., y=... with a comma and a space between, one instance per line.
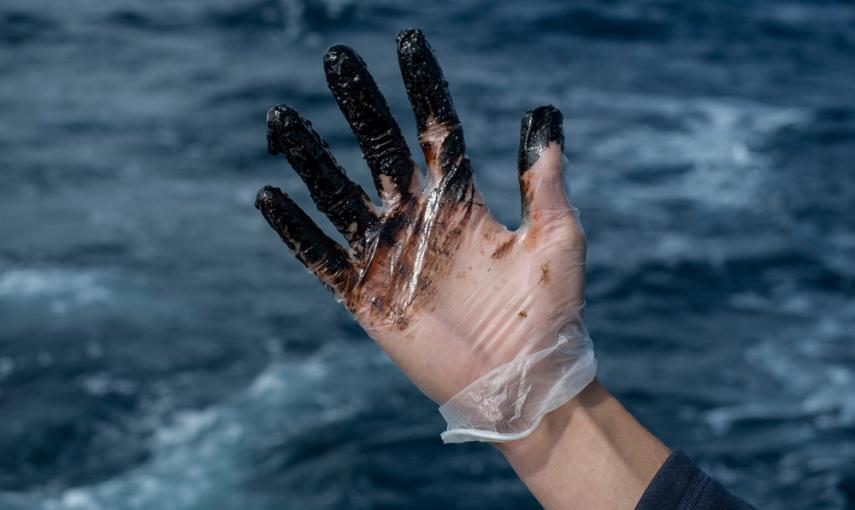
x=447, y=291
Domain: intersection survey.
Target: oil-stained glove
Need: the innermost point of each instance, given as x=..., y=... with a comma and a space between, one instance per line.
x=484, y=320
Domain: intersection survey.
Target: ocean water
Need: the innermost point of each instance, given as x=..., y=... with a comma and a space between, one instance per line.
x=160, y=349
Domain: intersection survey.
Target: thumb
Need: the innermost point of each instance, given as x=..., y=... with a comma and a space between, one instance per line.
x=540, y=163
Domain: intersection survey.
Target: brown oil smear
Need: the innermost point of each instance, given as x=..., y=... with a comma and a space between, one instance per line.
x=544, y=274
x=503, y=249
x=408, y=252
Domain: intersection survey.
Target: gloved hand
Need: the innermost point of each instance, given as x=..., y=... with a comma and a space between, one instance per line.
x=484, y=320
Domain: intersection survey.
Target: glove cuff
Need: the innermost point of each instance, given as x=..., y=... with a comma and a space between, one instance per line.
x=509, y=402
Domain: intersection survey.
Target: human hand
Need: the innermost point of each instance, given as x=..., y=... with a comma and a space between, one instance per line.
x=449, y=293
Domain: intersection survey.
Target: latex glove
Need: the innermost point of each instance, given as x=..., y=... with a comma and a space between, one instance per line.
x=482, y=319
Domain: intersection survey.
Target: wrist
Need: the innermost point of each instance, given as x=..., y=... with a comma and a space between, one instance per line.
x=590, y=452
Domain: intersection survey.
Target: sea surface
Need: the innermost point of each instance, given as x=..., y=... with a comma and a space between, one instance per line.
x=161, y=349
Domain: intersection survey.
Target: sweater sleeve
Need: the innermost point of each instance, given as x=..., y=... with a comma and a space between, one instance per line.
x=681, y=485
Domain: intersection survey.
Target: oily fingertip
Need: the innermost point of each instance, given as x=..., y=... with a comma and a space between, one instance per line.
x=280, y=119
x=338, y=56
x=539, y=128
x=265, y=197
x=410, y=38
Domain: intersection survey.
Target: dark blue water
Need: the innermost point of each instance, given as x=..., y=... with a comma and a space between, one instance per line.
x=160, y=349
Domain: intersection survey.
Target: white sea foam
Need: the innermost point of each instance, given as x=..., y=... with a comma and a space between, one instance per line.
x=63, y=289
x=197, y=454
x=102, y=384
x=813, y=383
x=717, y=140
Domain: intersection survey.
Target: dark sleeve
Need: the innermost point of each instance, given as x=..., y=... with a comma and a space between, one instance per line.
x=681, y=485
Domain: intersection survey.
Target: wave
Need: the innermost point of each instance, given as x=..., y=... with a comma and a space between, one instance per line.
x=199, y=458
x=62, y=289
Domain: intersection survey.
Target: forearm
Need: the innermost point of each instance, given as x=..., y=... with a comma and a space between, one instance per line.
x=590, y=453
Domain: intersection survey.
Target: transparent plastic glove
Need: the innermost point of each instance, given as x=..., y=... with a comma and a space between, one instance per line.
x=484, y=320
